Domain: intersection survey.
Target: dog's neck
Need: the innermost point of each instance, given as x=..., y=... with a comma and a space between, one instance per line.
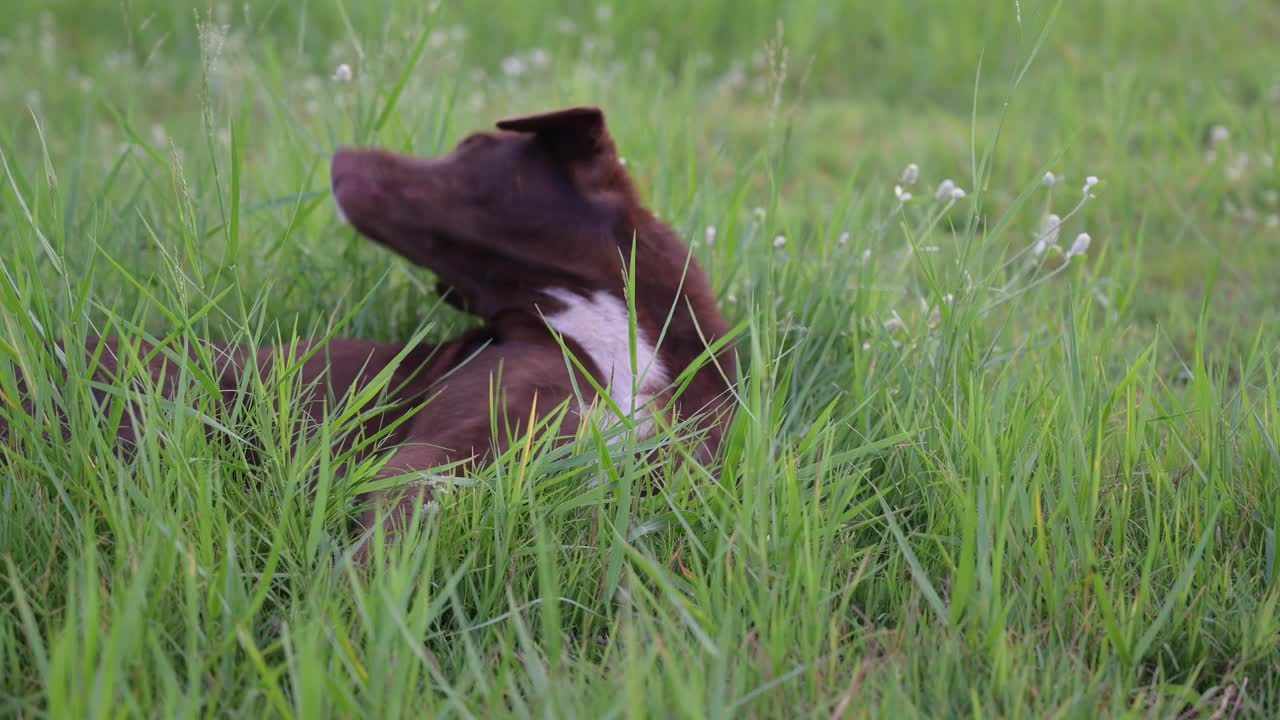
x=595, y=325
x=600, y=324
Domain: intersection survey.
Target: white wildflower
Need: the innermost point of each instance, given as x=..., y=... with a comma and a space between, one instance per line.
x=622, y=161
x=779, y=241
x=513, y=67
x=903, y=195
x=843, y=239
x=1219, y=134
x=1050, y=180
x=894, y=324
x=1080, y=246
x=539, y=57
x=866, y=256
x=910, y=174
x=1048, y=236
x=1238, y=167
x=944, y=189
x=866, y=347
x=343, y=73
x=1089, y=183
x=711, y=234
x=957, y=193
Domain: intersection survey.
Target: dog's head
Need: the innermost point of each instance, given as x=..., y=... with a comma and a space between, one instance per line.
x=504, y=214
x=538, y=217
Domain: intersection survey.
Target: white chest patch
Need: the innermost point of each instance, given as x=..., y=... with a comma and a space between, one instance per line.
x=599, y=325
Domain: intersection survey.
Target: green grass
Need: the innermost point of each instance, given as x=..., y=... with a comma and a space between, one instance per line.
x=1045, y=489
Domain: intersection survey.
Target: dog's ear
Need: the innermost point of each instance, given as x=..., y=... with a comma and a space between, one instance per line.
x=576, y=133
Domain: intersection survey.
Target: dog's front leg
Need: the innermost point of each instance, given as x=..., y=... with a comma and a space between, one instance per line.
x=456, y=426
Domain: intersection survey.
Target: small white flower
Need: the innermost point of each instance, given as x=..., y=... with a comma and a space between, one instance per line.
x=513, y=66
x=1080, y=246
x=843, y=239
x=622, y=161
x=1219, y=134
x=944, y=189
x=779, y=241
x=957, y=193
x=711, y=234
x=866, y=347
x=894, y=324
x=1089, y=183
x=910, y=174
x=902, y=195
x=539, y=57
x=1050, y=179
x=866, y=256
x=1238, y=167
x=1048, y=236
x=343, y=73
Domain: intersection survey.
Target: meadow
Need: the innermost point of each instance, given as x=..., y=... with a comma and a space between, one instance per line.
x=1004, y=275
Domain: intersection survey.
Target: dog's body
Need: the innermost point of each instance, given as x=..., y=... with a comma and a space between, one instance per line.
x=531, y=228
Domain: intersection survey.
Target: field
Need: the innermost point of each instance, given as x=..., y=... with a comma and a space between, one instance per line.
x=981, y=466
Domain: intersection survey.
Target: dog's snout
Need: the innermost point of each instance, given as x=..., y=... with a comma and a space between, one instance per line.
x=349, y=183
x=345, y=166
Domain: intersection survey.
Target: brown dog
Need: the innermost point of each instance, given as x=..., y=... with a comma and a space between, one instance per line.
x=531, y=228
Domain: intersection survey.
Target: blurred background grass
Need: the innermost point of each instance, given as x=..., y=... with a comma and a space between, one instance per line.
x=1125, y=91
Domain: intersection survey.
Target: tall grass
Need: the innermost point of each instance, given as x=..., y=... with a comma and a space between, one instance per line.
x=966, y=477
